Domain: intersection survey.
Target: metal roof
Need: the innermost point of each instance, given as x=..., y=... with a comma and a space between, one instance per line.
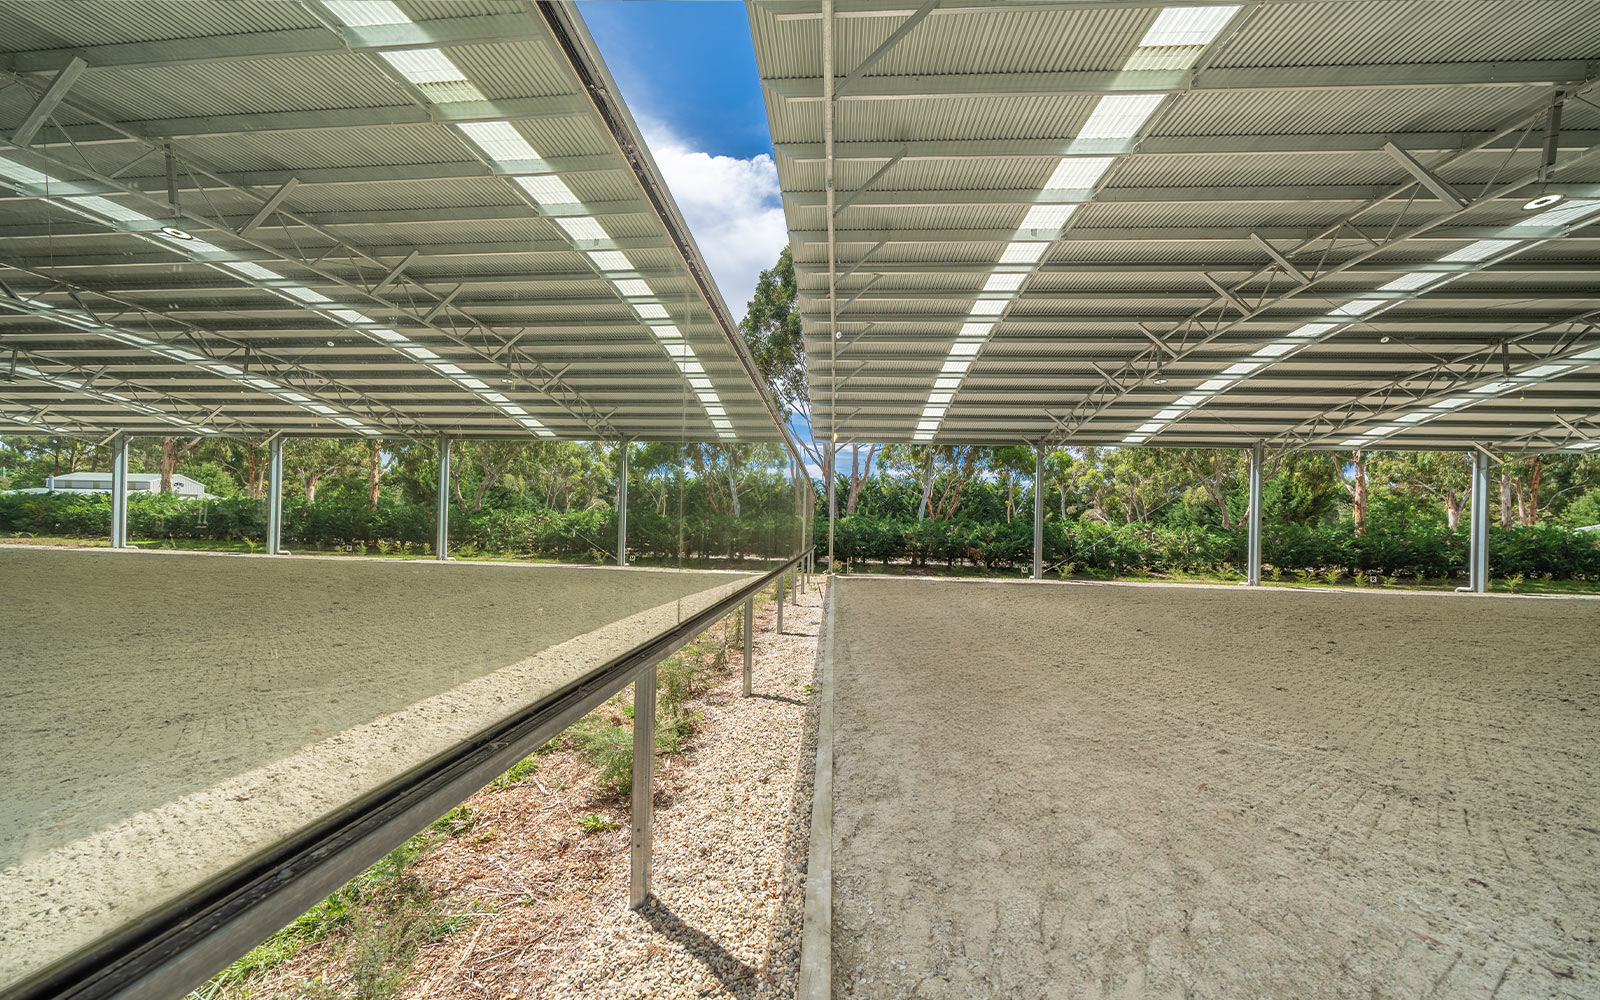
x=1306, y=222
x=338, y=217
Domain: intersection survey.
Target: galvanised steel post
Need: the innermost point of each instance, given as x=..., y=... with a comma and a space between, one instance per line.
x=644, y=761
x=749, y=641
x=780, y=603
x=622, y=506
x=442, y=516
x=275, y=497
x=1253, y=556
x=1038, y=513
x=1478, y=561
x=119, y=492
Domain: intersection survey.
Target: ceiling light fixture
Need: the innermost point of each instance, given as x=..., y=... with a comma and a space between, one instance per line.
x=1543, y=201
x=176, y=233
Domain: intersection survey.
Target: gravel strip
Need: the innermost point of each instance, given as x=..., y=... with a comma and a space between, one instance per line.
x=730, y=849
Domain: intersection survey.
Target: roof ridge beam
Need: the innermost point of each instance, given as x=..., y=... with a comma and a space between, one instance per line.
x=1091, y=82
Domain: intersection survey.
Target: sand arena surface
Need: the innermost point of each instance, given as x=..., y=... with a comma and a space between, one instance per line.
x=166, y=715
x=1158, y=791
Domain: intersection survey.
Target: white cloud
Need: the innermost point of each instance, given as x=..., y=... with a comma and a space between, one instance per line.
x=733, y=207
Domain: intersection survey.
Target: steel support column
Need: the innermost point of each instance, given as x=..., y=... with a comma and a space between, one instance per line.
x=749, y=641
x=1478, y=555
x=622, y=505
x=780, y=604
x=275, y=497
x=644, y=767
x=1038, y=513
x=442, y=515
x=1253, y=555
x=119, y=492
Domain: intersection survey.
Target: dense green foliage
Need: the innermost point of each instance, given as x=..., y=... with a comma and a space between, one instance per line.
x=1410, y=551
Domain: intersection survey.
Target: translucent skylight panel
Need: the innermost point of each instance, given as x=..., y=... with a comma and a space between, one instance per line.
x=633, y=287
x=665, y=331
x=499, y=140
x=940, y=398
x=365, y=13
x=420, y=353
x=351, y=316
x=1412, y=418
x=1150, y=428
x=964, y=348
x=1450, y=404
x=387, y=335
x=424, y=66
x=1411, y=282
x=306, y=294
x=547, y=190
x=1166, y=57
x=1047, y=216
x=1136, y=439
x=21, y=174
x=1481, y=250
x=978, y=330
x=1360, y=307
x=956, y=367
x=650, y=310
x=1186, y=401
x=1188, y=25
x=1242, y=368
x=1022, y=253
x=988, y=307
x=1492, y=387
x=581, y=227
x=1120, y=116
x=1313, y=329
x=108, y=208
x=1215, y=385
x=1543, y=371
x=1004, y=282
x=1274, y=350
x=251, y=270
x=1171, y=413
x=610, y=260
x=1075, y=172
x=947, y=383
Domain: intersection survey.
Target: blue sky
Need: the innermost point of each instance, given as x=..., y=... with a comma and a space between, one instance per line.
x=688, y=63
x=688, y=74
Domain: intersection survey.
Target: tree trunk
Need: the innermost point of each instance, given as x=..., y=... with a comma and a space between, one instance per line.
x=311, y=480
x=927, y=486
x=1358, y=495
x=1452, y=509
x=374, y=472
x=1530, y=516
x=171, y=455
x=252, y=471
x=1505, y=496
x=733, y=485
x=169, y=462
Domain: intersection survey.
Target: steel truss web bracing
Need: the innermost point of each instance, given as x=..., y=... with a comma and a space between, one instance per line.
x=1309, y=223
x=334, y=219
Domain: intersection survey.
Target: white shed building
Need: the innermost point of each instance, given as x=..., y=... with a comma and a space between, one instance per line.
x=138, y=482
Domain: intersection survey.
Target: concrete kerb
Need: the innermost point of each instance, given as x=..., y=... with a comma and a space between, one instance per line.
x=816, y=930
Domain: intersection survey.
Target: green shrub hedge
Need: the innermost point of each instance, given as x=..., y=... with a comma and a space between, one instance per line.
x=1422, y=550
x=336, y=523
